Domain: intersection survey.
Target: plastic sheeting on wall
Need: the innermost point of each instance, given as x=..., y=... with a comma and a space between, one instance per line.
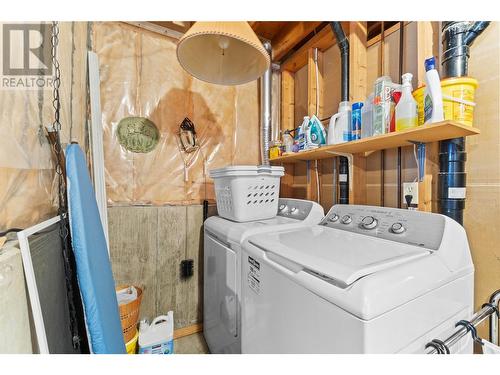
x=27, y=186
x=140, y=76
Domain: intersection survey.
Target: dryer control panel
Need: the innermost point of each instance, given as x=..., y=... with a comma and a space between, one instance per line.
x=406, y=226
x=295, y=208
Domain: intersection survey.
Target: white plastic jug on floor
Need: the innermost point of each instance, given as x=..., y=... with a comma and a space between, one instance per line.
x=157, y=337
x=340, y=125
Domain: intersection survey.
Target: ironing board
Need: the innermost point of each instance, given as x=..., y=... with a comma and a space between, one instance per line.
x=93, y=267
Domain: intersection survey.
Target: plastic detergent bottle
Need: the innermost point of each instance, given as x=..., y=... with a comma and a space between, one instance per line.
x=381, y=105
x=356, y=122
x=366, y=117
x=302, y=134
x=288, y=141
x=157, y=337
x=433, y=97
x=340, y=124
x=406, y=110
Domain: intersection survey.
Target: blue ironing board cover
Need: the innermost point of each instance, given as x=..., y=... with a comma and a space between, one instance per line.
x=93, y=267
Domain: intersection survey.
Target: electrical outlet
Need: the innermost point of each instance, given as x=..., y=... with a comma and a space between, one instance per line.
x=410, y=188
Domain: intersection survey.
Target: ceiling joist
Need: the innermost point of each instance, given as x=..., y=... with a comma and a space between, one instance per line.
x=289, y=36
x=323, y=40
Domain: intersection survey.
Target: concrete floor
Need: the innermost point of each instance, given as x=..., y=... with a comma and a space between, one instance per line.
x=192, y=344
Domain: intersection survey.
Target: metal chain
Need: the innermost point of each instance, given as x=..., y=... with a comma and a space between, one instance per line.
x=63, y=206
x=56, y=103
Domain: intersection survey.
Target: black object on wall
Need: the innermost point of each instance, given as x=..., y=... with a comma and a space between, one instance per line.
x=343, y=44
x=458, y=36
x=187, y=268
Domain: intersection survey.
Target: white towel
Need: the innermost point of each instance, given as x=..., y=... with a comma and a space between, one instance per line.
x=489, y=348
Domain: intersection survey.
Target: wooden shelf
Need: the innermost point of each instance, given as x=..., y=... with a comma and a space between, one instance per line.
x=424, y=134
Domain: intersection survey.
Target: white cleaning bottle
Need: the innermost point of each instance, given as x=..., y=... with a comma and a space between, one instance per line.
x=302, y=135
x=340, y=124
x=157, y=337
x=406, y=110
x=433, y=98
x=288, y=141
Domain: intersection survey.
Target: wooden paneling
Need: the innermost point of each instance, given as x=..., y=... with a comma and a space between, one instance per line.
x=331, y=81
x=171, y=290
x=300, y=93
x=327, y=187
x=194, y=250
x=483, y=167
x=425, y=49
x=357, y=92
x=286, y=185
x=314, y=107
x=357, y=62
x=372, y=68
x=425, y=43
x=323, y=40
x=133, y=250
x=287, y=123
x=315, y=95
x=147, y=245
x=287, y=100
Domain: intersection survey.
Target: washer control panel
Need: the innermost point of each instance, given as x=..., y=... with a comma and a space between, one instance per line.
x=294, y=208
x=394, y=224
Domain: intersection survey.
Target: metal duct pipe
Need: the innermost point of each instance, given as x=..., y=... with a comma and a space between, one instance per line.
x=458, y=36
x=343, y=44
x=265, y=105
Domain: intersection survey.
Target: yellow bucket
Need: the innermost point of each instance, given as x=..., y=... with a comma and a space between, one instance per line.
x=458, y=100
x=131, y=346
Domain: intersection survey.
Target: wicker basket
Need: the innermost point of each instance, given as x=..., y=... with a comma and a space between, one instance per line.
x=129, y=314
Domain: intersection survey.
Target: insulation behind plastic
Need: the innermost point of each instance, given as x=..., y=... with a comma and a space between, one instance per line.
x=28, y=192
x=140, y=76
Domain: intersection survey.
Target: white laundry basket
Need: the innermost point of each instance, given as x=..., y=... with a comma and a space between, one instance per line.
x=247, y=192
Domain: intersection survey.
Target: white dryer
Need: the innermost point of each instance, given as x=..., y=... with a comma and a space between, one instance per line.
x=365, y=280
x=222, y=268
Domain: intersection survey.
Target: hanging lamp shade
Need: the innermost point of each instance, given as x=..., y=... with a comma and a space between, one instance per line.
x=225, y=53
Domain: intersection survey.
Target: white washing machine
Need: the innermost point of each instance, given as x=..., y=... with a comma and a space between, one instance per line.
x=222, y=268
x=365, y=280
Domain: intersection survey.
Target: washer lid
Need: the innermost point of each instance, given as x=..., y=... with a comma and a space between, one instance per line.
x=339, y=255
x=231, y=231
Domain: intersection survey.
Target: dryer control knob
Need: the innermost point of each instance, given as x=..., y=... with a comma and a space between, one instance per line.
x=282, y=207
x=333, y=218
x=369, y=222
x=346, y=219
x=293, y=209
x=397, y=228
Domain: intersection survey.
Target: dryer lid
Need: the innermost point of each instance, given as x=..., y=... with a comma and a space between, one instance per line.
x=339, y=255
